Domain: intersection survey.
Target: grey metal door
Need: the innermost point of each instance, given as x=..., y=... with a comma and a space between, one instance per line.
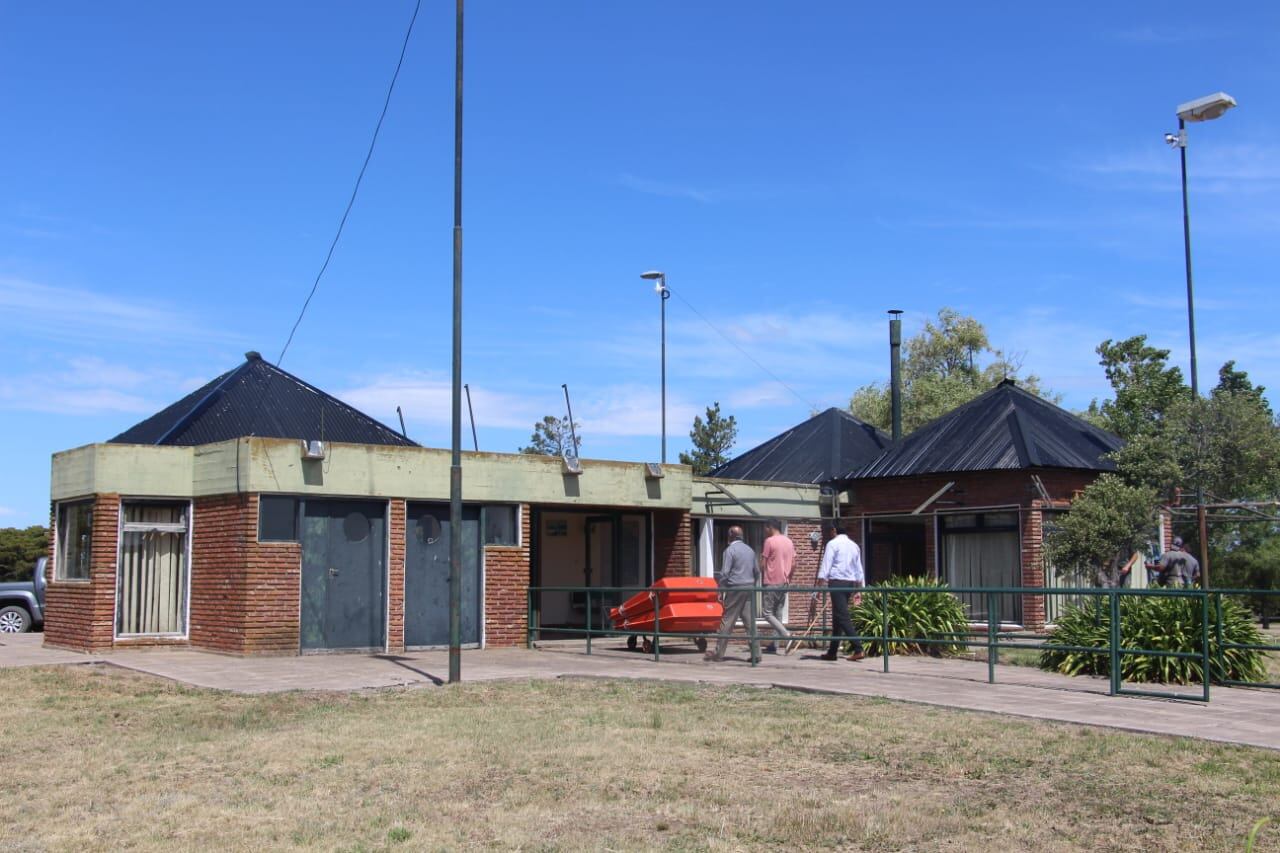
x=426, y=575
x=344, y=575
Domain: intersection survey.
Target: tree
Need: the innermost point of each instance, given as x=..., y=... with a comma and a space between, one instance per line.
x=942, y=368
x=712, y=439
x=552, y=437
x=1108, y=522
x=1227, y=444
x=19, y=548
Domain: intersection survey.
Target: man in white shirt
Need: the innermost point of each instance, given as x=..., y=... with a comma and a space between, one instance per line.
x=842, y=573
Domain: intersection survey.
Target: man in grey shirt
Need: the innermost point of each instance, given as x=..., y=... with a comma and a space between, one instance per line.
x=1177, y=567
x=736, y=577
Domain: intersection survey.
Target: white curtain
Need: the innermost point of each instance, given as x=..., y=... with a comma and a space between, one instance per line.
x=706, y=548
x=152, y=588
x=985, y=560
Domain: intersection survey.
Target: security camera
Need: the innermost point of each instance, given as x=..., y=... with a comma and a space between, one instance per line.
x=1171, y=138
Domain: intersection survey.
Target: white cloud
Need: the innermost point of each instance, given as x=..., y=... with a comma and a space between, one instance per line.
x=68, y=313
x=89, y=385
x=428, y=399
x=1219, y=168
x=667, y=190
x=4, y=510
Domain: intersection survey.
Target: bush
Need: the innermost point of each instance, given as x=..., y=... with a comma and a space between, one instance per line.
x=930, y=615
x=1159, y=623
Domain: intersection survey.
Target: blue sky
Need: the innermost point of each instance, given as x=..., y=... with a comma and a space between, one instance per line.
x=172, y=175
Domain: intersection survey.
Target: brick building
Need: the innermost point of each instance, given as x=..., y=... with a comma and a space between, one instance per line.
x=967, y=497
x=259, y=515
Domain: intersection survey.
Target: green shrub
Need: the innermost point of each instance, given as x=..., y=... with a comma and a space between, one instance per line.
x=926, y=614
x=1159, y=623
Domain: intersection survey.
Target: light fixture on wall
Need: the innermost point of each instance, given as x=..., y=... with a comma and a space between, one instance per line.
x=313, y=449
x=571, y=466
x=652, y=471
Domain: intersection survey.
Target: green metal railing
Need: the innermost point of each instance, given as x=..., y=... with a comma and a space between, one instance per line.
x=993, y=638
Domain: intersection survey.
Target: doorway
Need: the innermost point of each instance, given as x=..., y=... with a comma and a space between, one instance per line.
x=426, y=575
x=896, y=547
x=344, y=576
x=587, y=549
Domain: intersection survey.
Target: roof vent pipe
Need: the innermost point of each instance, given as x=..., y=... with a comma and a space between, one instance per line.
x=895, y=371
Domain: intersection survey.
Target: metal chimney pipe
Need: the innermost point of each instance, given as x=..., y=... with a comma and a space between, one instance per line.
x=895, y=371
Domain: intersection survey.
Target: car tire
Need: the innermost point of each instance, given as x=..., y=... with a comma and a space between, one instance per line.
x=14, y=620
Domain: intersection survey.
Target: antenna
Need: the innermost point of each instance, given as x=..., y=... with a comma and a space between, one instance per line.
x=475, y=442
x=572, y=431
x=401, y=416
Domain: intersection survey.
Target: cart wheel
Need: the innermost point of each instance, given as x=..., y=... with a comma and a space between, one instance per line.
x=648, y=646
x=632, y=642
x=701, y=643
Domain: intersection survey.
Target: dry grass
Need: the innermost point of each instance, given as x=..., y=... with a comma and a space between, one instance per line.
x=97, y=758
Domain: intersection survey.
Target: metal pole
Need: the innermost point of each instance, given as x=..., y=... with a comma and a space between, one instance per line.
x=475, y=442
x=1186, y=243
x=455, y=468
x=666, y=294
x=573, y=431
x=1191, y=329
x=895, y=373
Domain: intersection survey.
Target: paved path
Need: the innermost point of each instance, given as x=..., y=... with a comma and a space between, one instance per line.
x=1235, y=715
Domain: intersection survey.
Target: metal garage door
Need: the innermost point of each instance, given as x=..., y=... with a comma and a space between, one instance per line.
x=344, y=575
x=426, y=575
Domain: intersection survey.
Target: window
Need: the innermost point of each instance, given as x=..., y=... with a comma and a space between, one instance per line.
x=277, y=519
x=501, y=525
x=153, y=578
x=75, y=534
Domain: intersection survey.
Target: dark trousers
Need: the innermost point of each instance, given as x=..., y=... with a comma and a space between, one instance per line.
x=843, y=625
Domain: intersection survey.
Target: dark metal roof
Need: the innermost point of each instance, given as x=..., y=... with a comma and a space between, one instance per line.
x=1006, y=428
x=815, y=451
x=258, y=398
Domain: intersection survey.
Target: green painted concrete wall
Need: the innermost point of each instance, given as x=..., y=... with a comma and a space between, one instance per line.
x=354, y=470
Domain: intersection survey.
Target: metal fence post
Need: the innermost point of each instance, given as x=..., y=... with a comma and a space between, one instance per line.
x=1114, y=637
x=992, y=615
x=884, y=627
x=657, y=627
x=753, y=645
x=528, y=618
x=1222, y=653
x=588, y=621
x=1204, y=637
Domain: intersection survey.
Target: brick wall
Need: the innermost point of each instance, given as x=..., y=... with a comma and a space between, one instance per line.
x=977, y=490
x=395, y=577
x=81, y=614
x=244, y=593
x=506, y=589
x=672, y=544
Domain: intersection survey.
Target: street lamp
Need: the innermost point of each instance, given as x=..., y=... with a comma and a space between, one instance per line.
x=661, y=289
x=1201, y=109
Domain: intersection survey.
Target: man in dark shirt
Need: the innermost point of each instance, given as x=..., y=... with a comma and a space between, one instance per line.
x=737, y=577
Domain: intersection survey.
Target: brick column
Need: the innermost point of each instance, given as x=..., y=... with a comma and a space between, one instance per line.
x=672, y=544
x=1033, y=606
x=395, y=577
x=506, y=589
x=81, y=614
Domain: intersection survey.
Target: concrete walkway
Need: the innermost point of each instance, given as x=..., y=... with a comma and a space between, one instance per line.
x=1250, y=717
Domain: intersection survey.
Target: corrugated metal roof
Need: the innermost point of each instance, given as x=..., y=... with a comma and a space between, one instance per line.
x=258, y=398
x=815, y=451
x=1006, y=428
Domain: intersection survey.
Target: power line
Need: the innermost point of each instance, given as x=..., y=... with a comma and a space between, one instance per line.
x=735, y=345
x=356, y=189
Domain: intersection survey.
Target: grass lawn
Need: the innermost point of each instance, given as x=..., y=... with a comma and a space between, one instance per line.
x=98, y=758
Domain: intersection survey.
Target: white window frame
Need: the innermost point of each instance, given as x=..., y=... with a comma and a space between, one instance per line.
x=187, y=528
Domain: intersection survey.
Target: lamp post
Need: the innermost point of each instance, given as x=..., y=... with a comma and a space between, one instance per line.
x=661, y=289
x=1201, y=109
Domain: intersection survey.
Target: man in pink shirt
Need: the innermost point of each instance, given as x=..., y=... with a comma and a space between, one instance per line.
x=776, y=559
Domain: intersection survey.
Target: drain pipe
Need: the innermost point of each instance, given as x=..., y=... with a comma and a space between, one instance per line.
x=895, y=371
